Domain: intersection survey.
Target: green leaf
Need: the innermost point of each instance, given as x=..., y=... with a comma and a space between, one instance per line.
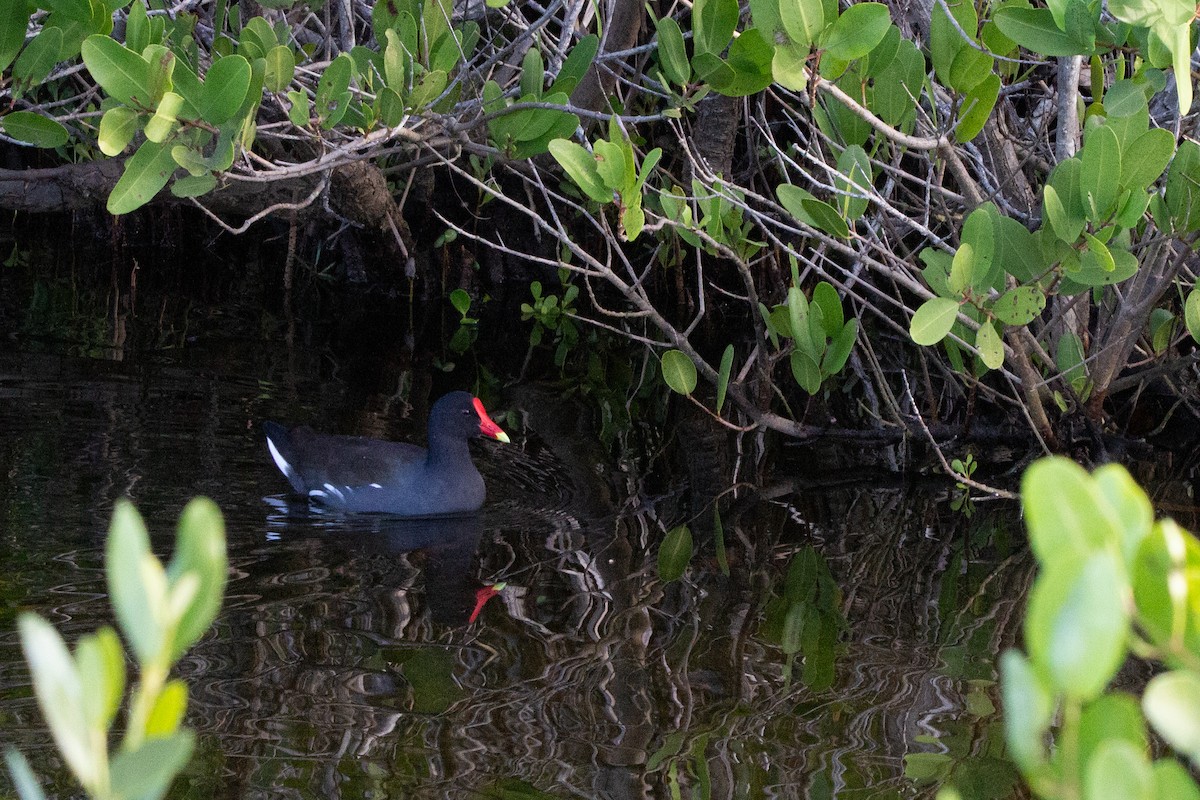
x=976, y=108
x=1066, y=228
x=170, y=706
x=672, y=54
x=1110, y=717
x=797, y=313
x=1100, y=168
x=945, y=39
x=333, y=97
x=806, y=371
x=579, y=61
x=1191, y=311
x=1020, y=305
x=149, y=770
x=989, y=345
x=674, y=554
x=165, y=120
x=146, y=173
x=788, y=66
x=281, y=68
x=803, y=20
x=34, y=129
x=194, y=185
x=14, y=21
x=932, y=321
x=1067, y=516
x=1028, y=710
x=101, y=670
x=806, y=208
x=126, y=554
x=1078, y=622
x=856, y=32
x=826, y=298
x=1118, y=770
x=1035, y=30
x=117, y=128
x=713, y=23
x=1172, y=781
x=580, y=165
x=969, y=68
x=122, y=73
x=1183, y=187
x=750, y=58
x=1147, y=158
x=137, y=28
x=610, y=163
x=723, y=376
x=38, y=57
x=854, y=179
x=23, y=779
x=679, y=372
x=839, y=349
x=533, y=73
x=199, y=551
x=60, y=697
x=1172, y=705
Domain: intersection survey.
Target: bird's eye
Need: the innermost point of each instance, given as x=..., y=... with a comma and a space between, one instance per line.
x=466, y=412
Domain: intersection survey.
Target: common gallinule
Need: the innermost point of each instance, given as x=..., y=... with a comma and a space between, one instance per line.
x=354, y=473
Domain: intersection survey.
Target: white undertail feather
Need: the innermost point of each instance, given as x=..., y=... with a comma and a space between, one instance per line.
x=282, y=462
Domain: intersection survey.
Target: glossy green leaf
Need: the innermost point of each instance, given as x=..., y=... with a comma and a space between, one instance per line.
x=21, y=774
x=1118, y=771
x=723, y=375
x=610, y=163
x=788, y=66
x=1066, y=515
x=122, y=73
x=1191, y=309
x=1112, y=716
x=679, y=372
x=281, y=67
x=1183, y=187
x=38, y=57
x=1035, y=30
x=60, y=696
x=1100, y=168
x=750, y=58
x=169, y=708
x=149, y=770
x=1172, y=781
x=146, y=173
x=1172, y=705
x=945, y=38
x=34, y=129
x=1020, y=305
x=14, y=21
x=333, y=97
x=672, y=53
x=1166, y=587
x=856, y=32
x=580, y=165
x=977, y=108
x=675, y=553
x=194, y=185
x=1147, y=158
x=933, y=320
x=533, y=73
x=969, y=68
x=165, y=120
x=989, y=345
x=803, y=20
x=579, y=61
x=839, y=348
x=805, y=370
x=854, y=181
x=825, y=297
x=1065, y=227
x=101, y=667
x=1078, y=621
x=127, y=553
x=802, y=205
x=713, y=23
x=1028, y=710
x=199, y=550
x=1069, y=357
x=117, y=128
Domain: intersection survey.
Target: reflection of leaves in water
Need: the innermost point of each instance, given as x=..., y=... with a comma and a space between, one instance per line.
x=805, y=619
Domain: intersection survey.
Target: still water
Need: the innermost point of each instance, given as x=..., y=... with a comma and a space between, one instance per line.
x=343, y=664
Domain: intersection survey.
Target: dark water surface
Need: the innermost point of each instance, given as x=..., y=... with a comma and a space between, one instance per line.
x=342, y=664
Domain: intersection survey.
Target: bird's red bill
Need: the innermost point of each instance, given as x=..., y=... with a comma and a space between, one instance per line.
x=486, y=426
